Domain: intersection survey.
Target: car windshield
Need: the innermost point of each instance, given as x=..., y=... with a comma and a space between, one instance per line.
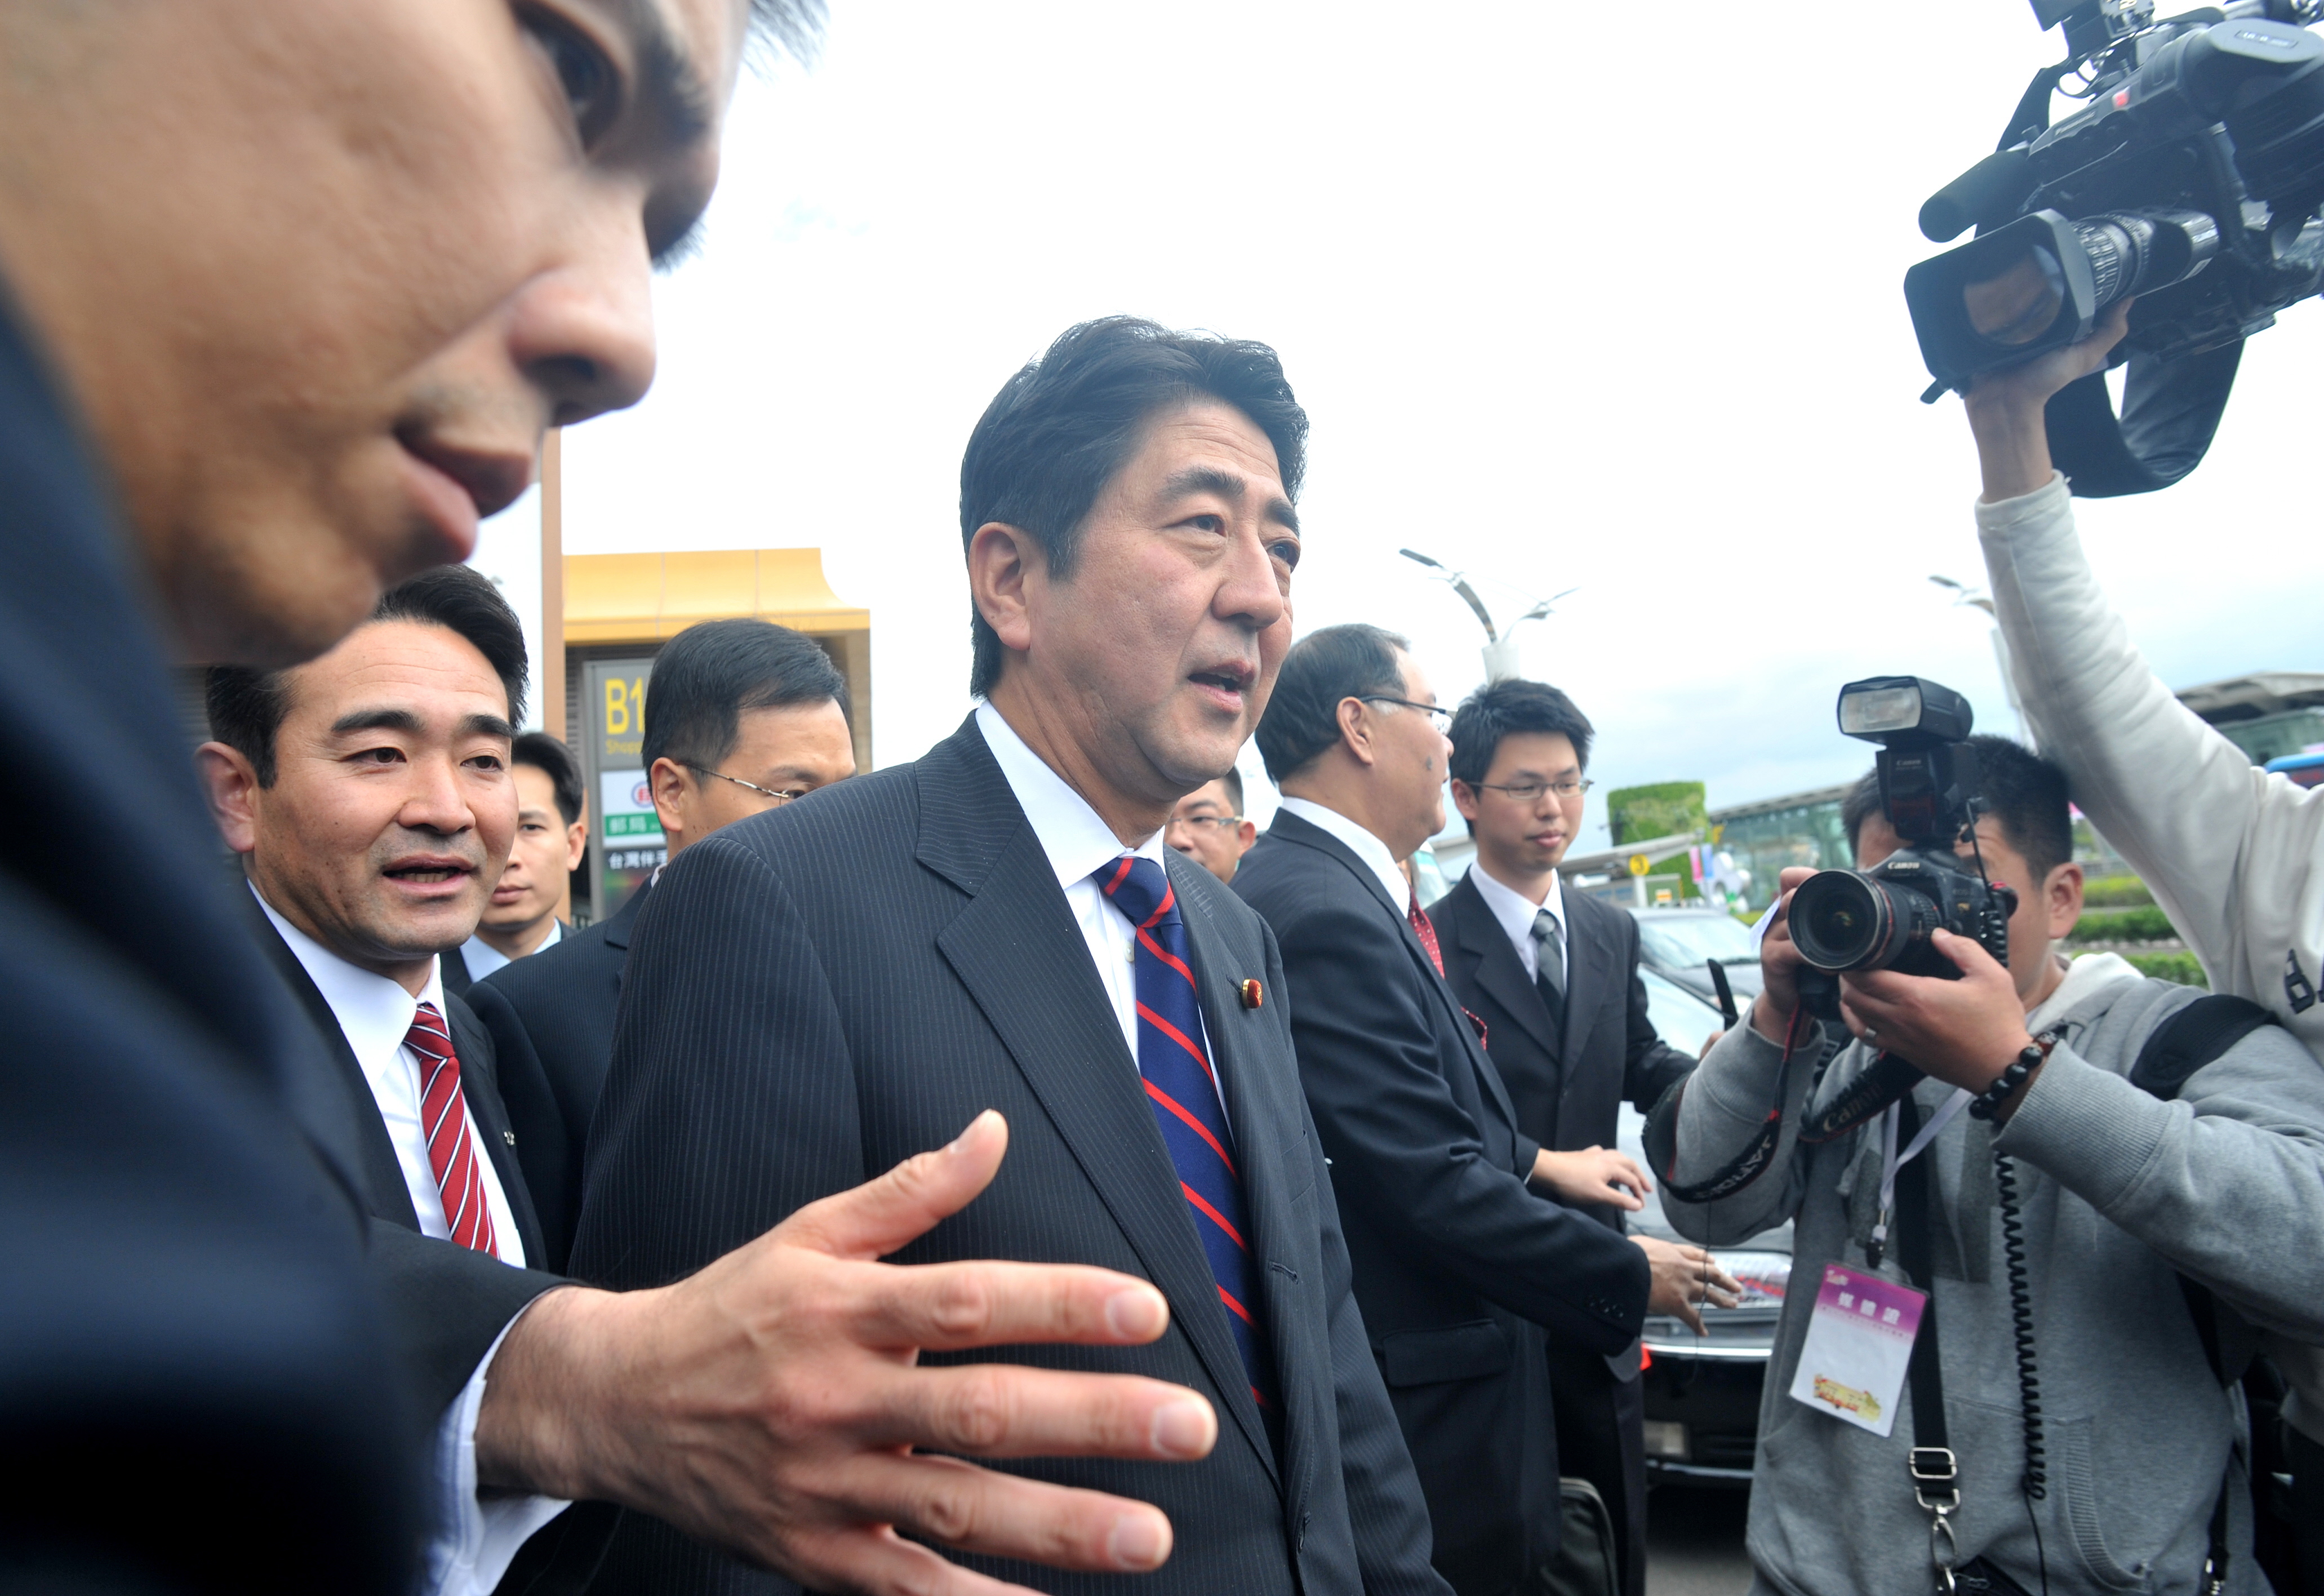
x=1685, y=940
x=1680, y=1018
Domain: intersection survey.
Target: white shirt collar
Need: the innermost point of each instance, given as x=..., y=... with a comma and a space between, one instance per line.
x=1366, y=847
x=483, y=958
x=1513, y=908
x=375, y=1012
x=1077, y=841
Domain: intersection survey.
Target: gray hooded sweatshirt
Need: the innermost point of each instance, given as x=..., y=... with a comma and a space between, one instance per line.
x=2119, y=1191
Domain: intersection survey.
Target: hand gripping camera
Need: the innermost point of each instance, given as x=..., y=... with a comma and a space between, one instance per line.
x=1883, y=918
x=2191, y=181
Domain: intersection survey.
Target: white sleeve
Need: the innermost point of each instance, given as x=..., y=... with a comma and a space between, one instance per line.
x=2232, y=854
x=477, y=1538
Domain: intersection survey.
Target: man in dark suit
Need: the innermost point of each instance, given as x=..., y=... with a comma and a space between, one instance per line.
x=1554, y=976
x=741, y=715
x=1000, y=926
x=527, y=914
x=1458, y=1265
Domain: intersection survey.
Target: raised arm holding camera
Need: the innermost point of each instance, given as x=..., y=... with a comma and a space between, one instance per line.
x=1982, y=1163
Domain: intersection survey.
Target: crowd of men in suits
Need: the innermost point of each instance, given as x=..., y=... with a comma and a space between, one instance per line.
x=1000, y=1166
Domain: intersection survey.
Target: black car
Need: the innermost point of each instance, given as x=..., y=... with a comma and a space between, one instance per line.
x=1681, y=943
x=1703, y=1391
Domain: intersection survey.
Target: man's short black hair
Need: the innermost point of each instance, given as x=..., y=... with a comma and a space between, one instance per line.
x=1232, y=782
x=1509, y=708
x=553, y=760
x=247, y=707
x=1861, y=803
x=1061, y=429
x=1303, y=718
x=2027, y=794
x=706, y=675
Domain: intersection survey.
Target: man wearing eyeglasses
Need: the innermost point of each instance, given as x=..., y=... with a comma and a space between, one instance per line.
x=742, y=717
x=1554, y=976
x=1208, y=827
x=1461, y=1260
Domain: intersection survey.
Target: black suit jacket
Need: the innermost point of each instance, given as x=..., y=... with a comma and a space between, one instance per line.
x=818, y=993
x=1457, y=1264
x=181, y=1268
x=1567, y=1086
x=383, y=1186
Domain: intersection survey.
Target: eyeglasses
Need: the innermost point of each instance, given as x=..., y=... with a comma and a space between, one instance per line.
x=1529, y=793
x=1217, y=822
x=764, y=792
x=1440, y=715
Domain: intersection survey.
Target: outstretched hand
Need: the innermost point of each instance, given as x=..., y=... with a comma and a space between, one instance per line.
x=1595, y=1175
x=2005, y=408
x=773, y=1402
x=1684, y=1277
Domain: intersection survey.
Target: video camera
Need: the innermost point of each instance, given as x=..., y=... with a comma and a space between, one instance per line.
x=2191, y=181
x=1883, y=918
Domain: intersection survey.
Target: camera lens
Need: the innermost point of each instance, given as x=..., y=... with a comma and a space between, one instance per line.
x=1841, y=920
x=2019, y=303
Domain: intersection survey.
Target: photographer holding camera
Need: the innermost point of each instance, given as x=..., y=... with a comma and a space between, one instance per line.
x=2067, y=1431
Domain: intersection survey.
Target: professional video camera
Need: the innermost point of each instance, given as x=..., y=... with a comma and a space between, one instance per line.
x=2191, y=181
x=1883, y=918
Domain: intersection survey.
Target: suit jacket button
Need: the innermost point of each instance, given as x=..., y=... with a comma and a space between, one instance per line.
x=1253, y=994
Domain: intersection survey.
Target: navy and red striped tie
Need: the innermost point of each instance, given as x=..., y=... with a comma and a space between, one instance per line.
x=444, y=1119
x=1183, y=1088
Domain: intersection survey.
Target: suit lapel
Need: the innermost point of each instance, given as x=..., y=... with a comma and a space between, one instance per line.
x=1586, y=965
x=1016, y=948
x=1498, y=972
x=386, y=1195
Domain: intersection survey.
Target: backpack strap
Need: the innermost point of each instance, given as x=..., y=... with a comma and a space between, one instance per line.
x=2196, y=1036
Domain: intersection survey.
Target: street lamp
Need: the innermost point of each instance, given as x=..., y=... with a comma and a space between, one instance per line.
x=1977, y=598
x=1500, y=652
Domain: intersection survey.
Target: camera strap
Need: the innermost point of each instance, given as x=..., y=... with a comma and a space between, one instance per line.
x=1935, y=1472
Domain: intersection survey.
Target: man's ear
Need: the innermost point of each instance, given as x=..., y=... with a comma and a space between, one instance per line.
x=669, y=783
x=1005, y=570
x=1246, y=834
x=1464, y=799
x=1356, y=731
x=231, y=786
x=576, y=842
x=2062, y=893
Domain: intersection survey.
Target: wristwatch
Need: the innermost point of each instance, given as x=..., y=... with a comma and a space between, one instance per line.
x=1988, y=1103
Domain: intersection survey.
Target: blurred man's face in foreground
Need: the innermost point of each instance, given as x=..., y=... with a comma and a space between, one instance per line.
x=318, y=274
x=1205, y=828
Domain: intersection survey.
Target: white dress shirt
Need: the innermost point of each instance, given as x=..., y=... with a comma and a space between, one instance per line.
x=1367, y=847
x=1515, y=911
x=1078, y=844
x=483, y=958
x=475, y=1540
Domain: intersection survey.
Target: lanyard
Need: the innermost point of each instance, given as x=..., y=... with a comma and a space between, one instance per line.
x=1891, y=1161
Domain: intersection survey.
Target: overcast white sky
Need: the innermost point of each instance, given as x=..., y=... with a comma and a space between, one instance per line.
x=1601, y=298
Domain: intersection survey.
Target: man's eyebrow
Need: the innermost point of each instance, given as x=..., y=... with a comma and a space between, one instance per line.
x=486, y=726
x=1210, y=479
x=377, y=720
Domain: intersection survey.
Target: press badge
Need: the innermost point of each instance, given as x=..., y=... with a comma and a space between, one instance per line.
x=1858, y=1342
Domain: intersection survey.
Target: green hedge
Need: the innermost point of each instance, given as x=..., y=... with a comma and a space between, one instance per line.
x=2180, y=967
x=2149, y=924
x=2121, y=891
x=1663, y=809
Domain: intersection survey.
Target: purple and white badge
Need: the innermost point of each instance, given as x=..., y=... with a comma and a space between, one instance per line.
x=1858, y=1344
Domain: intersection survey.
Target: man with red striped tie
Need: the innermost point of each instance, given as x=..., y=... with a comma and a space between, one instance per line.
x=1000, y=924
x=371, y=797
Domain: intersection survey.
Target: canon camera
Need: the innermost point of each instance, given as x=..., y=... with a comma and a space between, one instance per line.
x=1883, y=918
x=2189, y=181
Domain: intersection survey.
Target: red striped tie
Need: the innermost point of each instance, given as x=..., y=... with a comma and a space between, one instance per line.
x=443, y=1117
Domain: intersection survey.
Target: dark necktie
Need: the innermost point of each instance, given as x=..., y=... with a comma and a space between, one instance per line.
x=444, y=1119
x=1549, y=964
x=1183, y=1089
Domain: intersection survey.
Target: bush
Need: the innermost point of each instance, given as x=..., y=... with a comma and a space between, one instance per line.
x=2149, y=924
x=1664, y=808
x=2180, y=967
x=2118, y=892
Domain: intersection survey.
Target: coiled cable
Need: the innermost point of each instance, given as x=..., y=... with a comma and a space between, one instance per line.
x=2035, y=1485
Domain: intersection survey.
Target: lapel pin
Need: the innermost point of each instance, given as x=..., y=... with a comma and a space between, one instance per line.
x=510, y=1137
x=1253, y=994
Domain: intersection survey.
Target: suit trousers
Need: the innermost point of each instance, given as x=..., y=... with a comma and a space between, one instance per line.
x=1601, y=1438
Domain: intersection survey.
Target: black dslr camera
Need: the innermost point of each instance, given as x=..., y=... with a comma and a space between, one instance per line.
x=1882, y=918
x=2191, y=181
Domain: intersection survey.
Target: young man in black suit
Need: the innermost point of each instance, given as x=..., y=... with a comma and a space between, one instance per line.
x=1459, y=1266
x=1554, y=976
x=271, y=341
x=1000, y=926
x=526, y=915
x=741, y=715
